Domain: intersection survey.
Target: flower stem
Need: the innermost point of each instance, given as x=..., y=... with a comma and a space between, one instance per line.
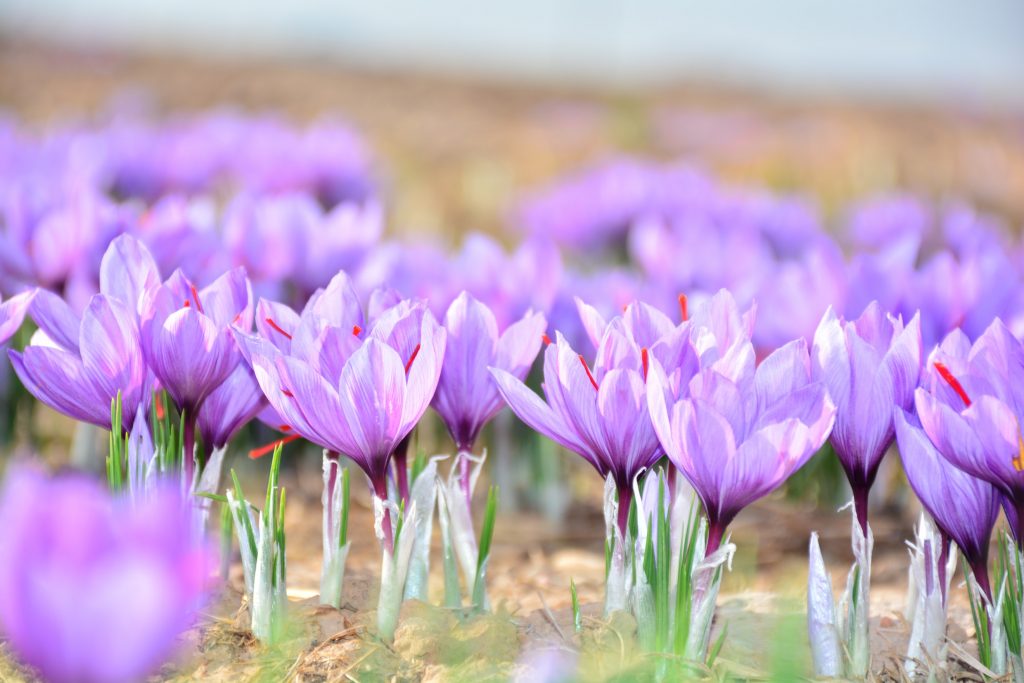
x=625, y=502
x=715, y=532
x=401, y=460
x=189, y=447
x=860, y=506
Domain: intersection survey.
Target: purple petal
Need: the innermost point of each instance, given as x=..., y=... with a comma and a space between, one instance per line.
x=190, y=356
x=128, y=270
x=230, y=406
x=54, y=317
x=12, y=314
x=58, y=379
x=964, y=507
x=227, y=301
x=593, y=322
x=372, y=393
x=423, y=372
x=276, y=323
x=111, y=352
x=529, y=408
x=465, y=395
x=957, y=442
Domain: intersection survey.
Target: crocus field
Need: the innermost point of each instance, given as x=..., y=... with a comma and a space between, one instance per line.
x=657, y=420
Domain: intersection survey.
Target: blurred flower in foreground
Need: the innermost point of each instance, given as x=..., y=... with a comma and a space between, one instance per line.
x=70, y=558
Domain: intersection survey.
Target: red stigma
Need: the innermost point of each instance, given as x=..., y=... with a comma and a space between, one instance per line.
x=953, y=382
x=356, y=330
x=684, y=308
x=195, y=297
x=415, y=352
x=287, y=393
x=159, y=405
x=285, y=428
x=269, y=448
x=589, y=375
x=643, y=361
x=188, y=304
x=278, y=328
x=546, y=339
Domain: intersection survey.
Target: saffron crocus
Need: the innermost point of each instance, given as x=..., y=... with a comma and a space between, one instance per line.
x=68, y=557
x=964, y=507
x=77, y=365
x=12, y=314
x=467, y=397
x=737, y=438
x=870, y=365
x=188, y=342
x=970, y=405
x=598, y=413
x=362, y=403
x=367, y=401
x=104, y=359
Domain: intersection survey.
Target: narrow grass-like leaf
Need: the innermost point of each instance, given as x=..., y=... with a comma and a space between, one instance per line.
x=577, y=617
x=343, y=525
x=716, y=649
x=486, y=536
x=980, y=618
x=419, y=463
x=250, y=533
x=216, y=497
x=664, y=558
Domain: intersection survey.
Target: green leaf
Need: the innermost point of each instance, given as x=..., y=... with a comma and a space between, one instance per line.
x=212, y=496
x=343, y=531
x=486, y=536
x=577, y=618
x=716, y=649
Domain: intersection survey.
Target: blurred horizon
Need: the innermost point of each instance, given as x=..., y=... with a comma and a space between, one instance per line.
x=933, y=52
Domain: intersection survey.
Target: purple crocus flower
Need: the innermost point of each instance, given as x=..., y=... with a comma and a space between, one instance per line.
x=361, y=397
x=78, y=365
x=964, y=508
x=188, y=343
x=69, y=555
x=970, y=404
x=869, y=365
x=466, y=395
x=741, y=433
x=229, y=407
x=12, y=314
x=601, y=414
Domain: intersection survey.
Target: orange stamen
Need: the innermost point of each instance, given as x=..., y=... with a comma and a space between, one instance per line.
x=684, y=308
x=195, y=296
x=643, y=361
x=953, y=382
x=269, y=448
x=415, y=352
x=1018, y=462
x=589, y=375
x=278, y=328
x=158, y=403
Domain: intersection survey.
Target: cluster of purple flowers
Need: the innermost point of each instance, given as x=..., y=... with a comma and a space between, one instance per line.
x=283, y=304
